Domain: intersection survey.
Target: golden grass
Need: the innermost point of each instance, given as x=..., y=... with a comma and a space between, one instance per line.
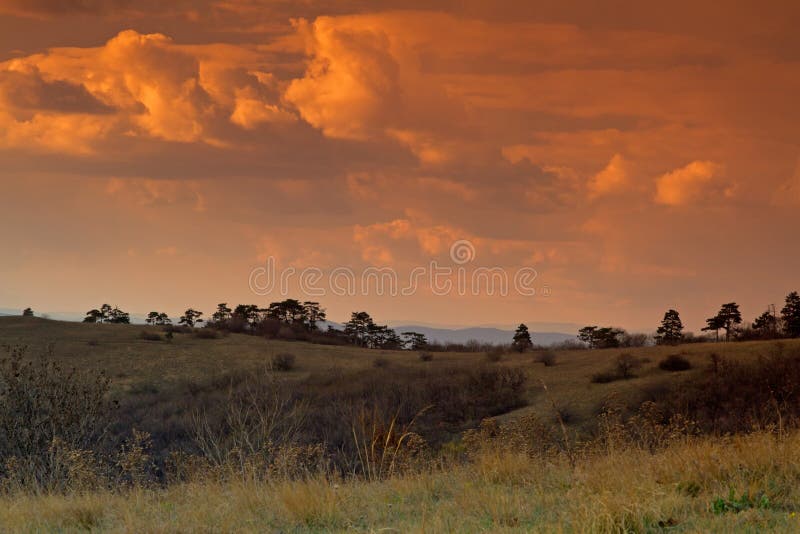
x=627, y=491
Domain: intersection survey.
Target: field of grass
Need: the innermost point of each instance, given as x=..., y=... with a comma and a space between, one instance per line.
x=136, y=366
x=743, y=483
x=740, y=484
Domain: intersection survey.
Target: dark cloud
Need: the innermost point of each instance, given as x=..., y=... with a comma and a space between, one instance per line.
x=28, y=91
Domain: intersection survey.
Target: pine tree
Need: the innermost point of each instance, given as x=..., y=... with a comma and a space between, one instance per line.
x=671, y=330
x=791, y=315
x=522, y=339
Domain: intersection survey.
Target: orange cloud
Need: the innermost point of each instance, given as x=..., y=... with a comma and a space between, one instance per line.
x=611, y=179
x=696, y=181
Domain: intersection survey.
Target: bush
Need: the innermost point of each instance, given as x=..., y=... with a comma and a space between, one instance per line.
x=604, y=377
x=622, y=370
x=48, y=414
x=283, y=362
x=206, y=333
x=426, y=356
x=151, y=336
x=674, y=362
x=548, y=358
x=380, y=363
x=495, y=355
x=626, y=363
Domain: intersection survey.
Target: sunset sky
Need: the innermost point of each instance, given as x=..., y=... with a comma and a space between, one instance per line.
x=637, y=157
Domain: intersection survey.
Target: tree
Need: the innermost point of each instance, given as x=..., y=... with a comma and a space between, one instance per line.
x=414, y=341
x=671, y=330
x=522, y=339
x=222, y=315
x=727, y=319
x=766, y=324
x=600, y=338
x=791, y=315
x=93, y=316
x=117, y=316
x=713, y=323
x=587, y=335
x=312, y=314
x=191, y=317
x=105, y=312
x=358, y=328
x=156, y=318
x=248, y=313
x=27, y=312
x=287, y=311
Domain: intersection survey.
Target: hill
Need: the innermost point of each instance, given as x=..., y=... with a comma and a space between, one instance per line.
x=495, y=336
x=488, y=480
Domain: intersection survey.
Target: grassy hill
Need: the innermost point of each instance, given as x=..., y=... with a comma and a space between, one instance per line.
x=136, y=365
x=509, y=479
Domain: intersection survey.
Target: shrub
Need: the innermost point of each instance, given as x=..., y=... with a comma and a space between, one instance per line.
x=604, y=377
x=283, y=362
x=548, y=358
x=151, y=336
x=674, y=362
x=206, y=333
x=426, y=356
x=495, y=355
x=380, y=362
x=626, y=363
x=46, y=410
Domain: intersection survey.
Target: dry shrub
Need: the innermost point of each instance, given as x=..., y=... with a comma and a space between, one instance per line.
x=548, y=358
x=262, y=418
x=207, y=333
x=674, y=362
x=426, y=356
x=494, y=355
x=50, y=417
x=283, y=361
x=150, y=336
x=386, y=448
x=527, y=435
x=380, y=362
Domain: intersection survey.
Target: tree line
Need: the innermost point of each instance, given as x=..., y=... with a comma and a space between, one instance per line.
x=768, y=325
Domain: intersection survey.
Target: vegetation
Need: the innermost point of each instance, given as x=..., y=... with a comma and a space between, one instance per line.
x=201, y=420
x=671, y=330
x=522, y=339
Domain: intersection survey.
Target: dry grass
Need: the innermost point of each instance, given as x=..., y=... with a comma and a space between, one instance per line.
x=627, y=491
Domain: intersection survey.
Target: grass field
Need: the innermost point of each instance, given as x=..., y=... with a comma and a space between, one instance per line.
x=746, y=483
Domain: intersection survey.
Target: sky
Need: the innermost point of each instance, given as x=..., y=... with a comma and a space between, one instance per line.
x=627, y=157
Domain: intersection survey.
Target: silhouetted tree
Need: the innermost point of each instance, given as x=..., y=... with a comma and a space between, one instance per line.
x=671, y=330
x=222, y=315
x=117, y=316
x=414, y=341
x=312, y=314
x=358, y=328
x=93, y=316
x=600, y=338
x=27, y=312
x=766, y=324
x=288, y=311
x=522, y=339
x=250, y=314
x=727, y=319
x=190, y=318
x=791, y=315
x=156, y=318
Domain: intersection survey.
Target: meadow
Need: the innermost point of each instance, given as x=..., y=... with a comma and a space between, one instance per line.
x=529, y=447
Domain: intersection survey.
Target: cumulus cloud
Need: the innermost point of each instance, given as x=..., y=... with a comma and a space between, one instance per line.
x=145, y=84
x=612, y=179
x=696, y=181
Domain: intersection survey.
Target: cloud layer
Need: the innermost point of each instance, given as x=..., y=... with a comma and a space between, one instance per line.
x=606, y=152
